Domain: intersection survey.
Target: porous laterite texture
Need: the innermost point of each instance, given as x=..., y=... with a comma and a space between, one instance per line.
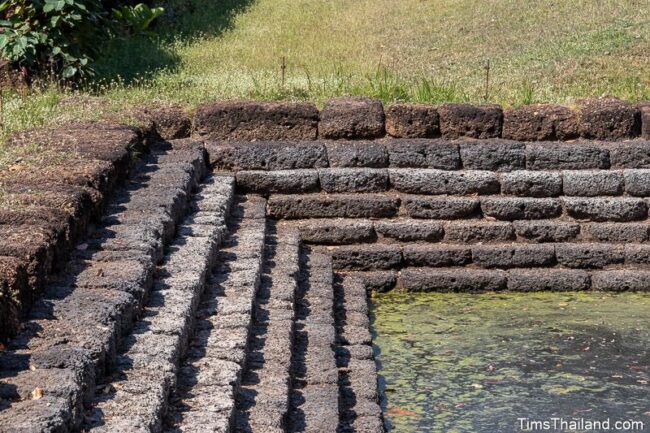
x=185, y=305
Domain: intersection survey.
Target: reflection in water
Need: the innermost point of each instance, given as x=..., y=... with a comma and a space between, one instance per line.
x=476, y=363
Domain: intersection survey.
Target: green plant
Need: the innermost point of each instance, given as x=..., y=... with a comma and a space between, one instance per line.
x=50, y=36
x=138, y=18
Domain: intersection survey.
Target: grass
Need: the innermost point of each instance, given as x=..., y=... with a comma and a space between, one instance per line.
x=411, y=50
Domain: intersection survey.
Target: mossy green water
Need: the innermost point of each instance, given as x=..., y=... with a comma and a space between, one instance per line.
x=476, y=363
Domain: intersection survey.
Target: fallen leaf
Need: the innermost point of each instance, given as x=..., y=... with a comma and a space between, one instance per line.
x=398, y=411
x=476, y=386
x=37, y=393
x=100, y=272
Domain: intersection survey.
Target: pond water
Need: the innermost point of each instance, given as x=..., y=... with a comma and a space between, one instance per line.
x=482, y=363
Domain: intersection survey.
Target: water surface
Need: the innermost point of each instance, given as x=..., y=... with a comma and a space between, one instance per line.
x=477, y=363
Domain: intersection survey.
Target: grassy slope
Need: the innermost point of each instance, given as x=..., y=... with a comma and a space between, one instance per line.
x=414, y=50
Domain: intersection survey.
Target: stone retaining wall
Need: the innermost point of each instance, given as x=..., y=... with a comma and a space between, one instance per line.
x=444, y=161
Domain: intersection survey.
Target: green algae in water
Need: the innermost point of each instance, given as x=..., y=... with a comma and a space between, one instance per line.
x=476, y=363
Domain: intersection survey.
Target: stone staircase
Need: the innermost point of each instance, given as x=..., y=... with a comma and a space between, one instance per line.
x=233, y=297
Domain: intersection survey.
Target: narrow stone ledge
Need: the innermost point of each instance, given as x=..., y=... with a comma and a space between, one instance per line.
x=332, y=206
x=250, y=121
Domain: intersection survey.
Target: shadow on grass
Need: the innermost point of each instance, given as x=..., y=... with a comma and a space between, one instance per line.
x=137, y=58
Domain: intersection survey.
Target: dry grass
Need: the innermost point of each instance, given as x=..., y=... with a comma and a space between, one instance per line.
x=410, y=50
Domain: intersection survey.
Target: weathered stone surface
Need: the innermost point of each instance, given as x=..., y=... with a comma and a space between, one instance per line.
x=616, y=232
x=621, y=281
x=352, y=117
x=634, y=154
x=452, y=280
x=249, y=121
x=590, y=183
x=637, y=182
x=13, y=288
x=281, y=181
x=547, y=231
x=440, y=182
x=266, y=155
x=367, y=257
x=440, y=207
x=423, y=154
x=589, y=255
x=436, y=255
x=527, y=183
x=540, y=122
x=335, y=180
x=478, y=232
x=566, y=156
x=356, y=154
x=608, y=119
x=506, y=208
x=336, y=231
x=408, y=230
x=513, y=256
x=606, y=209
x=637, y=254
x=465, y=120
x=412, y=121
x=494, y=155
x=332, y=206
x=536, y=280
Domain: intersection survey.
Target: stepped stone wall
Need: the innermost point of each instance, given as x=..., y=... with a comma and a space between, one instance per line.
x=220, y=281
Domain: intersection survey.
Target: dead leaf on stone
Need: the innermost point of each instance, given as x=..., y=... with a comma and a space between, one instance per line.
x=100, y=272
x=37, y=393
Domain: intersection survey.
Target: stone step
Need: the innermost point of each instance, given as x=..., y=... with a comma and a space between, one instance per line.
x=586, y=255
x=314, y=391
x=522, y=280
x=211, y=371
x=134, y=396
x=490, y=154
x=263, y=399
x=457, y=207
x=523, y=183
x=343, y=231
x=49, y=370
x=359, y=400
